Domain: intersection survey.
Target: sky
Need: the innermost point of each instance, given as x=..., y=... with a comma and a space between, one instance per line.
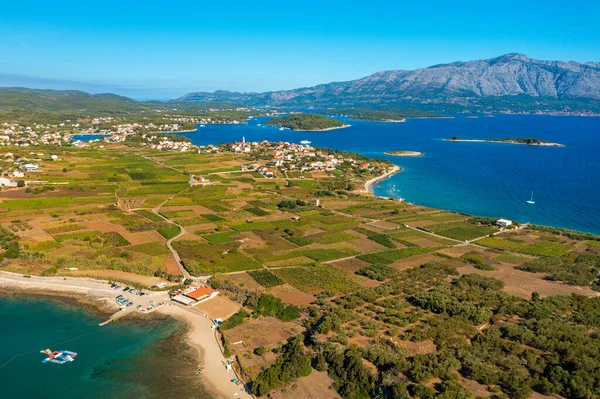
x=160, y=49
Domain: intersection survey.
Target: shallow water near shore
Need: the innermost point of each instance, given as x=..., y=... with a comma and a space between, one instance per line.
x=486, y=179
x=144, y=358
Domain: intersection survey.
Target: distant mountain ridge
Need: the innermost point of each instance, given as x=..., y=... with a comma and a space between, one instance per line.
x=79, y=102
x=65, y=101
x=466, y=83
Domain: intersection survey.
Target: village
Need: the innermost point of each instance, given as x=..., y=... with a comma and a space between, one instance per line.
x=271, y=156
x=287, y=157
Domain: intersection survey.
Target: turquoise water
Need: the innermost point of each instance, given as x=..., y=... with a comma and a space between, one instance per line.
x=120, y=360
x=487, y=179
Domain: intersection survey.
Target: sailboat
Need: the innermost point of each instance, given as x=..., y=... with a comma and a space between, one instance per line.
x=531, y=201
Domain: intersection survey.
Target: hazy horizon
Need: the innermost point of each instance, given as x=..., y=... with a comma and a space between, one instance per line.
x=145, y=93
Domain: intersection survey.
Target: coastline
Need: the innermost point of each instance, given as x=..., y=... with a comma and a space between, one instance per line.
x=201, y=336
x=382, y=121
x=321, y=130
x=507, y=142
x=96, y=295
x=369, y=183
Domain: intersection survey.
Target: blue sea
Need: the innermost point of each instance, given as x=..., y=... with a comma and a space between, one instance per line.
x=119, y=360
x=486, y=179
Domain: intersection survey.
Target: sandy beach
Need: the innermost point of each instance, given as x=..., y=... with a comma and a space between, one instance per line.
x=369, y=183
x=215, y=376
x=100, y=295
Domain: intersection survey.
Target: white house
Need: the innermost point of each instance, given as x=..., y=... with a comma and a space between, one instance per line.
x=503, y=223
x=4, y=182
x=29, y=167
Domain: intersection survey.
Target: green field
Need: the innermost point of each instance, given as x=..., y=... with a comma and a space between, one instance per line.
x=317, y=278
x=200, y=258
x=151, y=248
x=538, y=248
x=219, y=238
x=149, y=215
x=461, y=230
x=392, y=255
x=114, y=238
x=266, y=278
x=169, y=232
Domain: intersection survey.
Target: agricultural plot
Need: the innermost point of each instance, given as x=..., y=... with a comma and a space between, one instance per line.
x=316, y=254
x=461, y=231
x=177, y=214
x=81, y=236
x=133, y=222
x=220, y=238
x=331, y=237
x=149, y=215
x=318, y=278
x=64, y=228
x=392, y=255
x=169, y=231
x=266, y=278
x=538, y=248
x=379, y=238
x=151, y=248
x=202, y=259
x=114, y=238
x=257, y=211
x=408, y=238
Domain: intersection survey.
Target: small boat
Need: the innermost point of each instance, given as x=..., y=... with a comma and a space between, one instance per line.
x=58, y=357
x=305, y=142
x=202, y=125
x=531, y=201
x=281, y=128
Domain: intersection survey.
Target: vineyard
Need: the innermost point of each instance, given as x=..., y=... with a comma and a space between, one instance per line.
x=114, y=238
x=266, y=278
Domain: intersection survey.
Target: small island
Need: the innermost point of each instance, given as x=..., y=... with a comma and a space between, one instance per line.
x=404, y=153
x=385, y=115
x=307, y=122
x=509, y=140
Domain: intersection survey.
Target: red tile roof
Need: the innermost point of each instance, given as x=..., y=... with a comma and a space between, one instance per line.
x=200, y=293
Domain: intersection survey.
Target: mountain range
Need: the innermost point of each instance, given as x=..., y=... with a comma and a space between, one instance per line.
x=509, y=83
x=511, y=80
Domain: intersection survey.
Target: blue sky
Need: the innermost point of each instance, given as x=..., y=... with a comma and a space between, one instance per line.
x=160, y=49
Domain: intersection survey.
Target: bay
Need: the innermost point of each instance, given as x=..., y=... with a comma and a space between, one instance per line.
x=120, y=360
x=485, y=179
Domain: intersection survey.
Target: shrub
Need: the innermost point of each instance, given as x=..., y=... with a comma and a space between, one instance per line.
x=234, y=320
x=293, y=363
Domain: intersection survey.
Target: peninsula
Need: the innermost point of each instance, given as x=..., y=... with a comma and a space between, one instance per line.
x=404, y=153
x=385, y=115
x=307, y=122
x=508, y=140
